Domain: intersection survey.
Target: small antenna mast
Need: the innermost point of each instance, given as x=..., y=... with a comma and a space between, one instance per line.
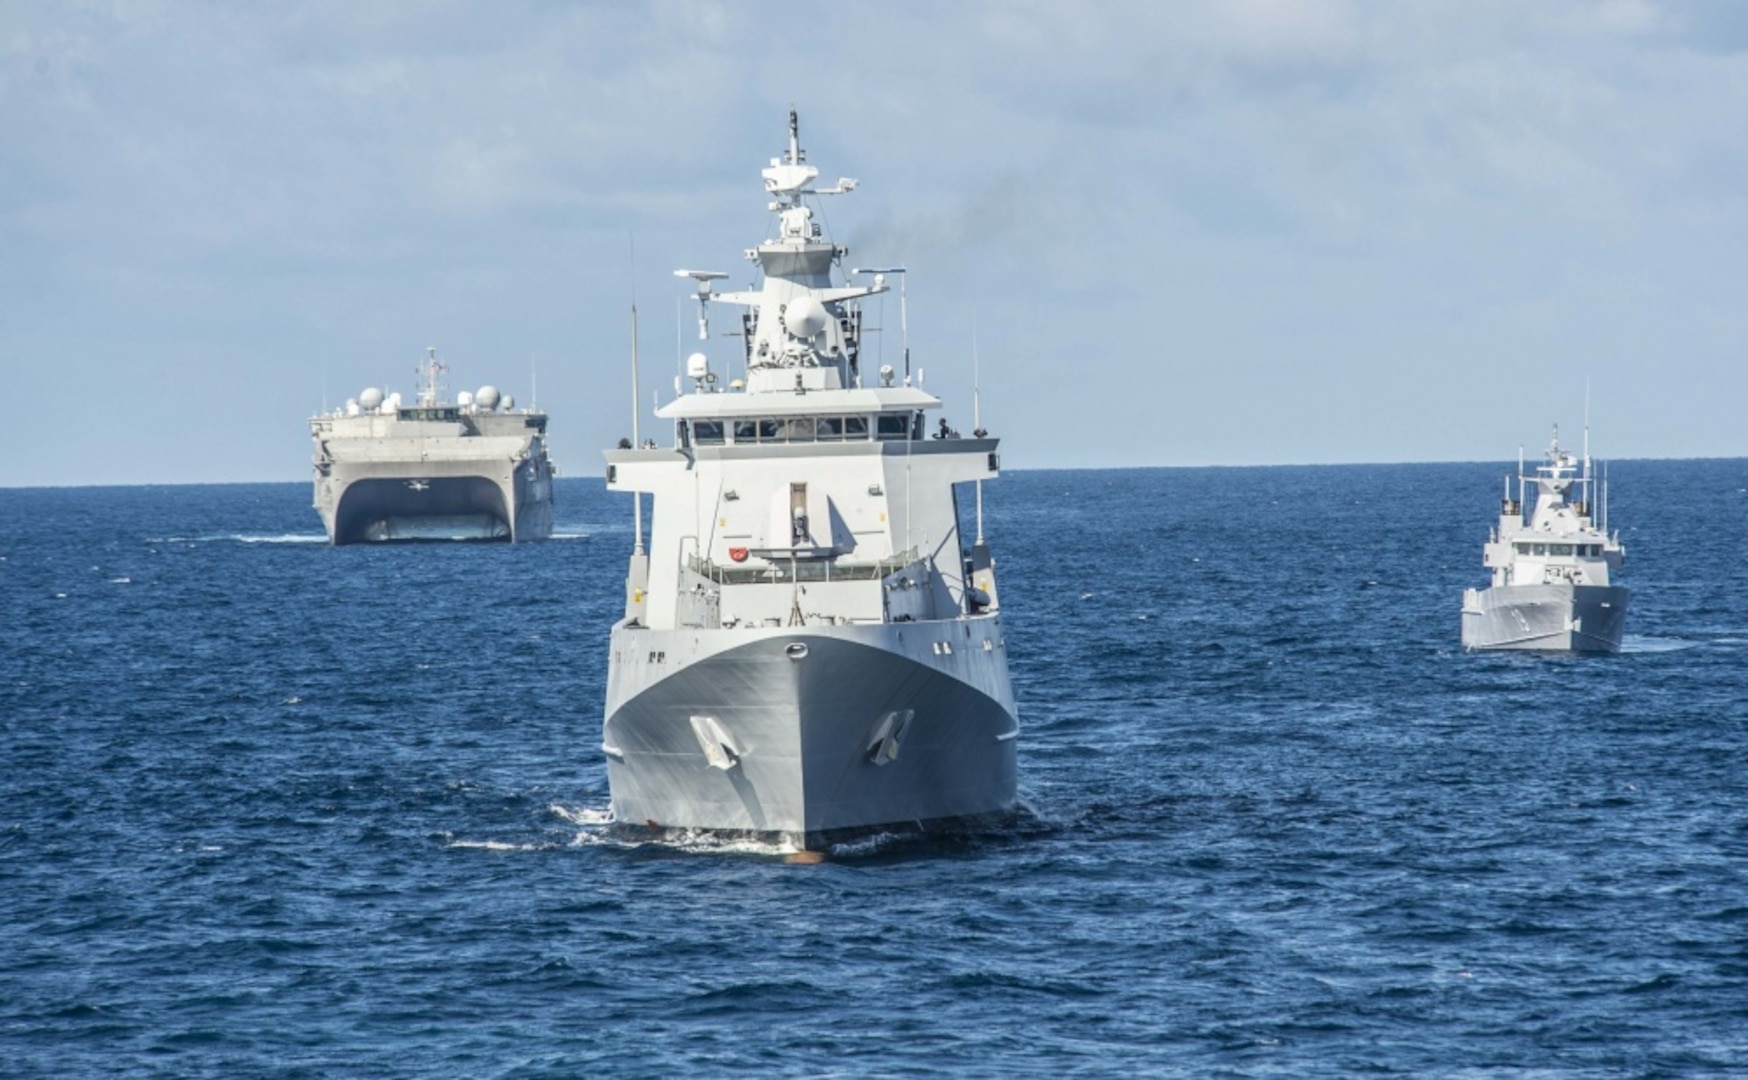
x=636, y=496
x=1520, y=488
x=433, y=367
x=1589, y=494
x=976, y=417
x=904, y=325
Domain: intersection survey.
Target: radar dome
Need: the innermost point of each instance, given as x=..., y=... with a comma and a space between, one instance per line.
x=805, y=317
x=370, y=400
x=464, y=399
x=487, y=397
x=509, y=402
x=697, y=365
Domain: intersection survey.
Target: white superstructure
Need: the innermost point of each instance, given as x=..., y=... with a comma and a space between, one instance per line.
x=810, y=644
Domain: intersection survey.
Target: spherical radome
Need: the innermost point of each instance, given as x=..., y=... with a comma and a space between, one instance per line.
x=371, y=399
x=805, y=317
x=487, y=397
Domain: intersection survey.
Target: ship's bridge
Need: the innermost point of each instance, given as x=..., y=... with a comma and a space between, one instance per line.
x=885, y=414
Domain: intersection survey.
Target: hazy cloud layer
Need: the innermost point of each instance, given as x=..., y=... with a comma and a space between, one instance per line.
x=1226, y=231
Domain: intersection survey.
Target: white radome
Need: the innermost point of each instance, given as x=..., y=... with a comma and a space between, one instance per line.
x=805, y=317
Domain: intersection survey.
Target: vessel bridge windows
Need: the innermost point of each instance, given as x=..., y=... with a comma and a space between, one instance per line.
x=1560, y=549
x=787, y=429
x=897, y=426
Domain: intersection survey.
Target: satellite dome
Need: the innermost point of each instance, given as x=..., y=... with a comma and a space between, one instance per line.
x=509, y=402
x=487, y=397
x=805, y=317
x=370, y=399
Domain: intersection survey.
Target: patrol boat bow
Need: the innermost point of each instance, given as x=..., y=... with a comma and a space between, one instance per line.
x=1551, y=588
x=810, y=648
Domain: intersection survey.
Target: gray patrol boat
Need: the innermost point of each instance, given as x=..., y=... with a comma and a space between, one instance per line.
x=472, y=469
x=1551, y=586
x=811, y=647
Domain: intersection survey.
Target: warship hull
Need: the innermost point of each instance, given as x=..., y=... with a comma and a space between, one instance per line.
x=1549, y=618
x=435, y=500
x=810, y=734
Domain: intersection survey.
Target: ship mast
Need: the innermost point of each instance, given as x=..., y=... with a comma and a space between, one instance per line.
x=432, y=368
x=637, y=496
x=977, y=420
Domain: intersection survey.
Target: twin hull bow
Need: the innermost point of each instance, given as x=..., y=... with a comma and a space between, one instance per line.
x=465, y=496
x=809, y=731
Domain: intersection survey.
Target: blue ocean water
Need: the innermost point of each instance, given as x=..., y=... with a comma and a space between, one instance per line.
x=270, y=808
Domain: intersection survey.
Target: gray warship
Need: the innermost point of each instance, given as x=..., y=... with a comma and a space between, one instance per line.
x=472, y=469
x=810, y=648
x=1551, y=587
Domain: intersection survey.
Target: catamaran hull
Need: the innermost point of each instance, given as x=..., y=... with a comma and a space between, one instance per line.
x=810, y=732
x=1552, y=618
x=443, y=500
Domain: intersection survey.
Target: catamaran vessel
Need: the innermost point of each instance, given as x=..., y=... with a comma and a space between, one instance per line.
x=811, y=647
x=1551, y=575
x=472, y=469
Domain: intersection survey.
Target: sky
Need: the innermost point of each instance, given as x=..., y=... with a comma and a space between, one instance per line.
x=1186, y=233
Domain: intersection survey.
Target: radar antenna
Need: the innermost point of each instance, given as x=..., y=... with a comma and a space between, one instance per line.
x=703, y=278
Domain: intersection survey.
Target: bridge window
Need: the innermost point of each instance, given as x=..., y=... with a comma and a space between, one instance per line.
x=855, y=427
x=888, y=426
x=831, y=428
x=707, y=432
x=1560, y=549
x=746, y=431
x=770, y=431
x=799, y=429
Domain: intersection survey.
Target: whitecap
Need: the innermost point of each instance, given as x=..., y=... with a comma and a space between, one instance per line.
x=282, y=538
x=492, y=845
x=1634, y=643
x=583, y=815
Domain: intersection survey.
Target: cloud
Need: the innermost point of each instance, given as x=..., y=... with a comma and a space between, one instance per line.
x=1229, y=196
